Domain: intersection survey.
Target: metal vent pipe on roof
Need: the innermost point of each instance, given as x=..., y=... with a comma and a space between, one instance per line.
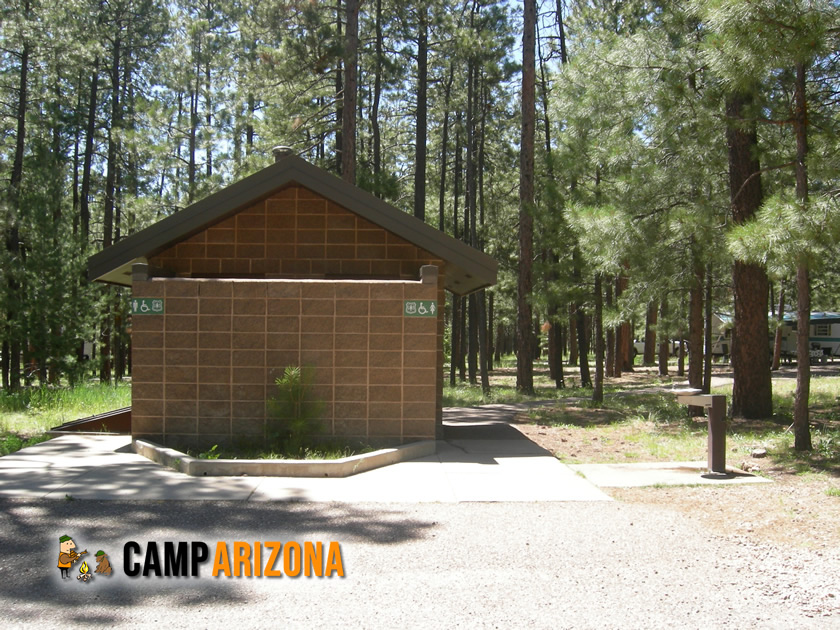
x=281, y=152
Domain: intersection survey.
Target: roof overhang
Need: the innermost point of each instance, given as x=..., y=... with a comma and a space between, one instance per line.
x=467, y=269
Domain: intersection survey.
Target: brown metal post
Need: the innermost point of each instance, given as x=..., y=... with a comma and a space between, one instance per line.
x=717, y=434
x=715, y=407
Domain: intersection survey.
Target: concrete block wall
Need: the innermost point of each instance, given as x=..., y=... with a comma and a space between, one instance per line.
x=203, y=370
x=295, y=233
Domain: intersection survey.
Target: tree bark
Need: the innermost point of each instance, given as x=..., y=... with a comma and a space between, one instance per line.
x=339, y=95
x=695, y=329
x=707, y=359
x=650, y=334
x=598, y=390
x=377, y=95
x=444, y=149
x=87, y=162
x=472, y=340
x=752, y=390
x=801, y=421
x=456, y=339
x=482, y=342
x=695, y=334
x=348, y=127
x=610, y=349
x=619, y=354
x=580, y=322
x=421, y=124
x=524, y=363
x=664, y=342
x=12, y=341
x=777, y=340
x=491, y=316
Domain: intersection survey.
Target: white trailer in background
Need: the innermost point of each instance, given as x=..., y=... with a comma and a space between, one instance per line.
x=823, y=335
x=721, y=335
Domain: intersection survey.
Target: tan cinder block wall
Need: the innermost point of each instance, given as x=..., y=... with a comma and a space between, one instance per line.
x=202, y=372
x=297, y=233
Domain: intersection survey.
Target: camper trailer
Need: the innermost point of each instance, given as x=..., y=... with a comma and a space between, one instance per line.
x=721, y=335
x=823, y=336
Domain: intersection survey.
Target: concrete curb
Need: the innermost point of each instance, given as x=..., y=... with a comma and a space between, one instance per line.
x=344, y=467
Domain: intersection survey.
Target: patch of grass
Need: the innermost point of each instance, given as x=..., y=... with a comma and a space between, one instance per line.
x=12, y=442
x=34, y=410
x=823, y=459
x=833, y=492
x=327, y=450
x=655, y=408
x=654, y=427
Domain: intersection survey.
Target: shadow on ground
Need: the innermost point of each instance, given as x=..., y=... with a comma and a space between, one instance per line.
x=31, y=531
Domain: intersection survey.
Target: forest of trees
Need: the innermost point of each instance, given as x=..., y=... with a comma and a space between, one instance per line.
x=633, y=165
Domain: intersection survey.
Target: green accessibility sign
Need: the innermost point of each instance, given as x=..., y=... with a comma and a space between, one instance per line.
x=146, y=306
x=420, y=308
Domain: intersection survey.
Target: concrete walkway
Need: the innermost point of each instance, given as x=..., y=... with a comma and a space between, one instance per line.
x=482, y=458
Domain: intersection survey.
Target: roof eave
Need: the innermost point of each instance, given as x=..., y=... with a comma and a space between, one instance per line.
x=468, y=269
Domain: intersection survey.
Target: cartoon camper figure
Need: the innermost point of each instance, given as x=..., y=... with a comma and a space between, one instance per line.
x=67, y=555
x=102, y=564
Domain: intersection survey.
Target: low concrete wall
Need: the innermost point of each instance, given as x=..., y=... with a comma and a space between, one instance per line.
x=344, y=467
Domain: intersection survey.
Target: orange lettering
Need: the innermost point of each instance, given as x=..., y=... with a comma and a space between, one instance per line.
x=221, y=561
x=275, y=547
x=313, y=558
x=334, y=560
x=241, y=559
x=291, y=561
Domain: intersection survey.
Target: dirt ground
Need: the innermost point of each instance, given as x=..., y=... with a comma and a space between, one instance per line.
x=794, y=510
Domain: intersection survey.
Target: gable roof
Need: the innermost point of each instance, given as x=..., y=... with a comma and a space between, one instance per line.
x=467, y=268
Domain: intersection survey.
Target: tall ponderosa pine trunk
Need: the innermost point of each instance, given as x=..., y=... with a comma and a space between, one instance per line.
x=580, y=323
x=650, y=334
x=777, y=341
x=695, y=328
x=752, y=391
x=348, y=127
x=707, y=341
x=618, y=368
x=11, y=338
x=106, y=330
x=664, y=342
x=444, y=150
x=377, y=96
x=339, y=96
x=471, y=235
x=802, y=428
x=598, y=389
x=610, y=336
x=87, y=162
x=695, y=333
x=524, y=342
x=420, y=129
x=573, y=347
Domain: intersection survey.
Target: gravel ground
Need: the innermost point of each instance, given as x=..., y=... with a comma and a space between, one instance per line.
x=548, y=565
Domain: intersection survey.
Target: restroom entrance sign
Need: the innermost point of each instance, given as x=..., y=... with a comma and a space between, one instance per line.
x=146, y=306
x=420, y=308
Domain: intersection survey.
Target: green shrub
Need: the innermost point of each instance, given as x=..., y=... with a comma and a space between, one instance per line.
x=210, y=454
x=295, y=417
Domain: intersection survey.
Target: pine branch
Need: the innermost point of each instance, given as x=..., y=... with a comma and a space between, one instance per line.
x=759, y=172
